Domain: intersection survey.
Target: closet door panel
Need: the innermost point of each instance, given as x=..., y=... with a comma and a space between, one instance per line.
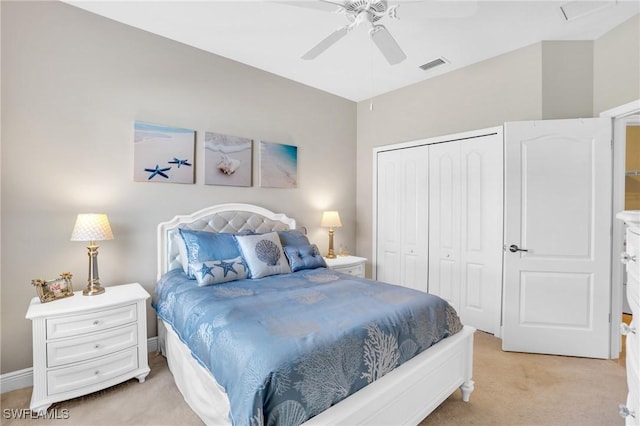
x=444, y=221
x=414, y=214
x=481, y=175
x=402, y=217
x=388, y=268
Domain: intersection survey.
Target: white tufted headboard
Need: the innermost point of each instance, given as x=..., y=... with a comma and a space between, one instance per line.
x=220, y=218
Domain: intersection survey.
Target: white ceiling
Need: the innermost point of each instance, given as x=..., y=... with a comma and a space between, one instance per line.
x=272, y=35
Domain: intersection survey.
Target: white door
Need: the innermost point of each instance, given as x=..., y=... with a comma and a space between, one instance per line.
x=389, y=237
x=465, y=227
x=481, y=206
x=444, y=222
x=557, y=237
x=402, y=217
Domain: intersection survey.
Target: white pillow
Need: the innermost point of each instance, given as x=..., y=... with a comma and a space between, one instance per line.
x=263, y=254
x=219, y=271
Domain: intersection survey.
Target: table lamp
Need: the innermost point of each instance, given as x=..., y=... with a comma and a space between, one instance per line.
x=92, y=227
x=331, y=219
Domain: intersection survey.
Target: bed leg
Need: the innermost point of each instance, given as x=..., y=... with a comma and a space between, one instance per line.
x=466, y=389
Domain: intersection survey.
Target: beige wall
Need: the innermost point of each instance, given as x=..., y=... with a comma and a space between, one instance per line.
x=567, y=79
x=616, y=69
x=73, y=84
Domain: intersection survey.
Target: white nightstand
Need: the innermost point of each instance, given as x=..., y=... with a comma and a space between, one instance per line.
x=352, y=265
x=82, y=344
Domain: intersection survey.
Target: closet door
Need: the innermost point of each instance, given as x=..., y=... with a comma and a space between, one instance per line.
x=481, y=230
x=402, y=217
x=444, y=222
x=389, y=235
x=465, y=228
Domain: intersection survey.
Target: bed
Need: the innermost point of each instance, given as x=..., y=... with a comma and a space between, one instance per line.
x=404, y=395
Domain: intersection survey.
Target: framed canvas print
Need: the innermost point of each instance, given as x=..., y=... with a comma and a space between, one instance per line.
x=227, y=160
x=163, y=153
x=278, y=165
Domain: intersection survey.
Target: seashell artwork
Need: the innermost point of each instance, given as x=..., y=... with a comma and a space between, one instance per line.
x=227, y=160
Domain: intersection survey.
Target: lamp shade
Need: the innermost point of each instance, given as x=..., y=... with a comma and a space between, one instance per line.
x=331, y=219
x=92, y=227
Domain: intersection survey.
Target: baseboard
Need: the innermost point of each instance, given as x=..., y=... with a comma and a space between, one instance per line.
x=24, y=378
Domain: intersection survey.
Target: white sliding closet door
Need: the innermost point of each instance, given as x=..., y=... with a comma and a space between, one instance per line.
x=402, y=217
x=465, y=227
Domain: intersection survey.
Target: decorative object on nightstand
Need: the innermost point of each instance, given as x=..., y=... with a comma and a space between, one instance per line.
x=81, y=346
x=352, y=265
x=92, y=227
x=331, y=219
x=54, y=289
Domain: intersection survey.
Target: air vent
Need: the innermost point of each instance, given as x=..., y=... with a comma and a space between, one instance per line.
x=578, y=9
x=432, y=64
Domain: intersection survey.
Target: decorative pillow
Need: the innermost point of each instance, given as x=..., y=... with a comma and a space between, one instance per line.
x=182, y=251
x=219, y=271
x=263, y=254
x=202, y=246
x=293, y=237
x=304, y=257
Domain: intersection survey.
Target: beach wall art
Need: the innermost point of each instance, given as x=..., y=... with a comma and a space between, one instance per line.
x=278, y=165
x=163, y=153
x=227, y=160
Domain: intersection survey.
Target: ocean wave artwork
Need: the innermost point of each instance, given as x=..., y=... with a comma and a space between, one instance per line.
x=227, y=160
x=278, y=165
x=163, y=153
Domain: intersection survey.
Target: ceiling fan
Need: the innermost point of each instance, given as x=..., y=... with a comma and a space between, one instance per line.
x=358, y=11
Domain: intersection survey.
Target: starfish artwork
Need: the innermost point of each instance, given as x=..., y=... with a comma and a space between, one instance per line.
x=206, y=270
x=158, y=171
x=170, y=149
x=227, y=267
x=180, y=162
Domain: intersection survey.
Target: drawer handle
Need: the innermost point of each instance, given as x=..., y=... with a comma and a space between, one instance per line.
x=96, y=372
x=626, y=258
x=96, y=322
x=625, y=329
x=625, y=412
x=97, y=346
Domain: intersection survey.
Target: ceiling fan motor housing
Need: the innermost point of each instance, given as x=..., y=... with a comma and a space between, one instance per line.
x=375, y=9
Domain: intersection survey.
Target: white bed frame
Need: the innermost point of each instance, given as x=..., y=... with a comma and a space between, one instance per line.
x=404, y=396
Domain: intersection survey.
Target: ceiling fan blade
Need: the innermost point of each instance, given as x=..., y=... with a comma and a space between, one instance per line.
x=387, y=44
x=326, y=43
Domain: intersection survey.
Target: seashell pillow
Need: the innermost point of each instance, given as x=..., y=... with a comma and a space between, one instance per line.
x=263, y=254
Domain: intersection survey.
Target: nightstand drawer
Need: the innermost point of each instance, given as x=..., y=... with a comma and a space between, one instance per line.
x=83, y=375
x=61, y=352
x=88, y=323
x=355, y=270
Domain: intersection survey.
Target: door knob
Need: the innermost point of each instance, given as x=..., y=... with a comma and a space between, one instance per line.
x=626, y=258
x=514, y=248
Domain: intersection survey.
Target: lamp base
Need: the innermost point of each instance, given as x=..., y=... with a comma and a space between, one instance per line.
x=93, y=290
x=331, y=254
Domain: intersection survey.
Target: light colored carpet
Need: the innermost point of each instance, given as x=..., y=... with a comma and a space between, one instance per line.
x=511, y=389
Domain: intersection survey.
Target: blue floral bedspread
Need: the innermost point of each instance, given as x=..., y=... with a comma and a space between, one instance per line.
x=287, y=347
